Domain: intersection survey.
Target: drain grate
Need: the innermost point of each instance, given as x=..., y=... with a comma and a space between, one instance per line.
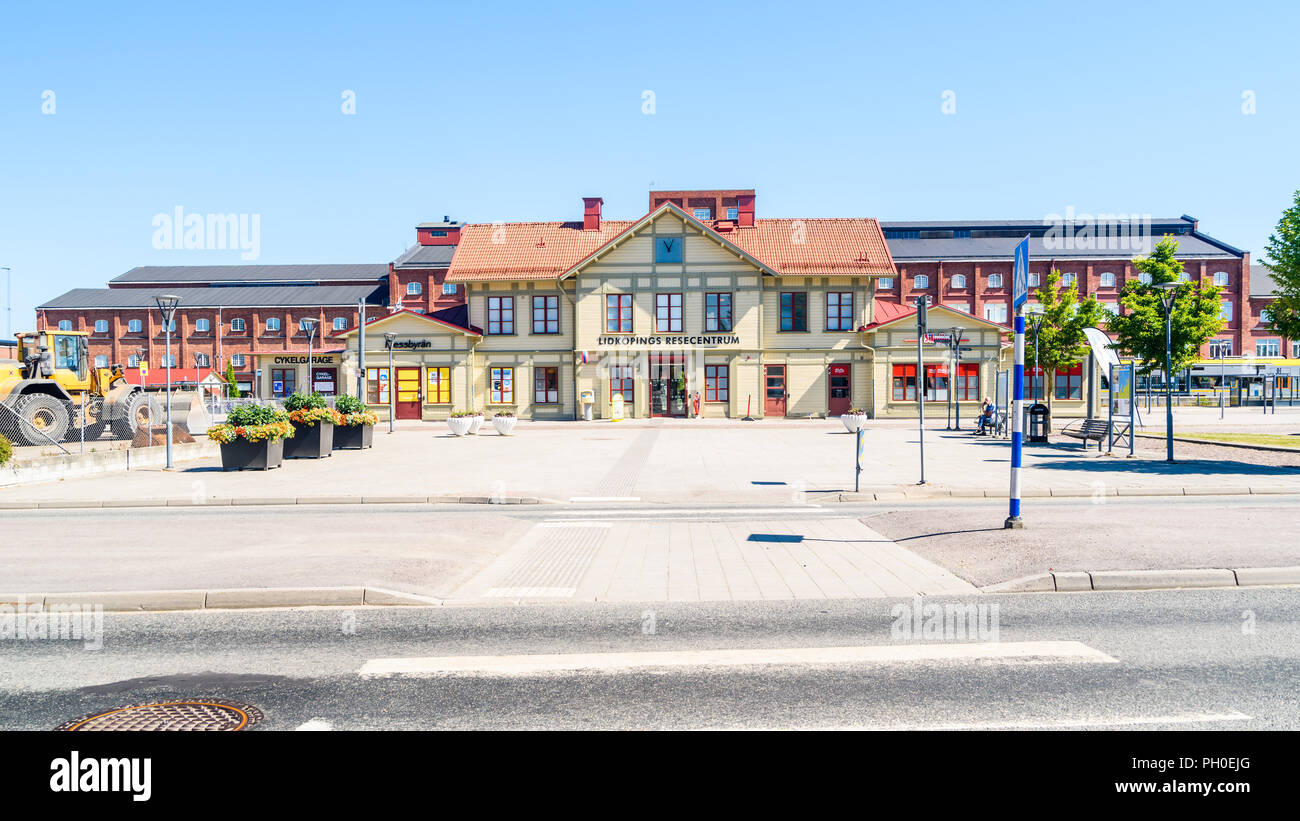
x=218, y=716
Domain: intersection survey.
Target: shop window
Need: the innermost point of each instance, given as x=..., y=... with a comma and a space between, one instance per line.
x=621, y=382
x=968, y=382
x=618, y=313
x=101, y=326
x=283, y=381
x=717, y=312
x=904, y=383
x=546, y=314
x=236, y=325
x=1069, y=382
x=502, y=386
x=501, y=315
x=1271, y=348
x=377, y=386
x=668, y=313
x=839, y=311
x=202, y=326
x=716, y=383
x=936, y=383
x=134, y=326
x=439, y=386
x=794, y=311
x=546, y=386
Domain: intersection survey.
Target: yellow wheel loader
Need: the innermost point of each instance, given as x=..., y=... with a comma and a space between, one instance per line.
x=50, y=382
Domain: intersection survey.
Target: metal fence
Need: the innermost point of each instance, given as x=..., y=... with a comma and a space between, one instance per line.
x=42, y=425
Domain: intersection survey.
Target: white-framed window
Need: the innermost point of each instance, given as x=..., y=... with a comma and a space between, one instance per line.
x=1034, y=280
x=134, y=326
x=65, y=324
x=413, y=289
x=1221, y=278
x=1225, y=312
x=885, y=284
x=101, y=361
x=1068, y=280
x=273, y=323
x=201, y=360
x=703, y=214
x=101, y=326
x=1295, y=350
x=733, y=213
x=995, y=280
x=448, y=289
x=167, y=361
x=1144, y=278
x=133, y=361
x=1268, y=348
x=964, y=307
x=202, y=326
x=996, y=312
x=1184, y=277
x=236, y=325
x=1107, y=279
x=340, y=323
x=1220, y=348
x=1111, y=308
x=1265, y=316
x=237, y=360
x=959, y=281
x=921, y=281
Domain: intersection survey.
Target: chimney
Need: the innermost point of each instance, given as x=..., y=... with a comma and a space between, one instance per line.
x=591, y=213
x=745, y=210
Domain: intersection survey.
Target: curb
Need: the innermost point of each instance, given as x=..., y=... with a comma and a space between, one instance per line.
x=228, y=599
x=259, y=501
x=900, y=495
x=1074, y=581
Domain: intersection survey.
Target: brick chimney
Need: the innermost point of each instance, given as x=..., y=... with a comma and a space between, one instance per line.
x=591, y=213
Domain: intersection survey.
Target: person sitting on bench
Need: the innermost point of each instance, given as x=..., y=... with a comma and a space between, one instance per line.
x=988, y=417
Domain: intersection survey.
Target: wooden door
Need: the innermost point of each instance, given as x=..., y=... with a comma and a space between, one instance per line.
x=408, y=393
x=840, y=389
x=775, y=394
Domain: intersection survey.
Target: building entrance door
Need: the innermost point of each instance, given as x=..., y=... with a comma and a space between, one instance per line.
x=408, y=393
x=324, y=381
x=774, y=395
x=667, y=386
x=840, y=399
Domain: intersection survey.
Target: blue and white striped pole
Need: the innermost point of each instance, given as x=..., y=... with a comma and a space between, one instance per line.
x=1017, y=422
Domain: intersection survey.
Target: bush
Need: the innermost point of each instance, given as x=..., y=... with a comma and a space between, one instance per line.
x=6, y=450
x=301, y=401
x=247, y=415
x=255, y=423
x=349, y=404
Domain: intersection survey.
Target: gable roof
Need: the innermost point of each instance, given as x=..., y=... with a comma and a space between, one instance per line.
x=552, y=250
x=248, y=296
x=451, y=318
x=425, y=256
x=896, y=316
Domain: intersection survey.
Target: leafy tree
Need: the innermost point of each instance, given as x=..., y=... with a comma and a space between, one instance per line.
x=1196, y=317
x=232, y=387
x=1061, y=341
x=1284, y=252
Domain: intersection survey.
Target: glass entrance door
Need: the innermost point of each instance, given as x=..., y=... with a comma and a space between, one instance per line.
x=667, y=389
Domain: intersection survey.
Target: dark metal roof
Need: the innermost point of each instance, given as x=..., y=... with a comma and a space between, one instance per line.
x=275, y=296
x=253, y=273
x=1003, y=248
x=941, y=225
x=426, y=256
x=446, y=223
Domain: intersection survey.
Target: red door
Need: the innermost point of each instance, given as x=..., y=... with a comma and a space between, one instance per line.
x=774, y=392
x=840, y=390
x=408, y=393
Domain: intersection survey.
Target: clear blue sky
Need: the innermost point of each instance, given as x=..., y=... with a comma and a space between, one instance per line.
x=513, y=111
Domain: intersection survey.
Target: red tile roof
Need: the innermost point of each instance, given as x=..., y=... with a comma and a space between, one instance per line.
x=794, y=247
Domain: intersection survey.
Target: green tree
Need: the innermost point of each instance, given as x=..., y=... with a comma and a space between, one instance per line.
x=1140, y=330
x=1284, y=252
x=232, y=387
x=1061, y=341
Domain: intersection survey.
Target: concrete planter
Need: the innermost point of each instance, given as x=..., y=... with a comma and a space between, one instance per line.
x=354, y=437
x=242, y=454
x=853, y=421
x=460, y=425
x=505, y=425
x=475, y=422
x=310, y=441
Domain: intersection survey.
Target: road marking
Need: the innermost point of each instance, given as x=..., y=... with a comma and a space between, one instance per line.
x=1040, y=724
x=624, y=513
x=604, y=498
x=315, y=724
x=528, y=665
x=531, y=592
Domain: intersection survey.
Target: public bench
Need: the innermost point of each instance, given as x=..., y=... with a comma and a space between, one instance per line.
x=1095, y=430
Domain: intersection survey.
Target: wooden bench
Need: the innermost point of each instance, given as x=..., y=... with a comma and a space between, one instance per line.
x=1089, y=429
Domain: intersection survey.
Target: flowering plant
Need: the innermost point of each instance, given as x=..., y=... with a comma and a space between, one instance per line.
x=463, y=413
x=312, y=416
x=352, y=411
x=504, y=413
x=254, y=423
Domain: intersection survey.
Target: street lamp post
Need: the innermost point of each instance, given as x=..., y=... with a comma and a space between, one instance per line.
x=1168, y=295
x=389, y=339
x=167, y=307
x=309, y=327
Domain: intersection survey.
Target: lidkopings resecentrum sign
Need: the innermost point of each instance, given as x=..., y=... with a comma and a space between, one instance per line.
x=621, y=341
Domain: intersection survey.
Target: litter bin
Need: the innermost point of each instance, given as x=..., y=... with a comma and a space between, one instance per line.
x=1037, y=423
x=616, y=408
x=588, y=400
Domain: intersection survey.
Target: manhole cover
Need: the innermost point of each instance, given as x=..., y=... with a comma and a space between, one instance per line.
x=170, y=715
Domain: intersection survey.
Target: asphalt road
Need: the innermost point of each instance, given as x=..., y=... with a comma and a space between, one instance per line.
x=1195, y=659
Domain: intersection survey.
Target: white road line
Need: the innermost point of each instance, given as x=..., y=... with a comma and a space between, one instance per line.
x=528, y=665
x=604, y=498
x=315, y=724
x=1038, y=724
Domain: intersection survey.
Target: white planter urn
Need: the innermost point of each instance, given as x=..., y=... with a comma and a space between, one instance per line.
x=505, y=425
x=853, y=421
x=475, y=422
x=460, y=424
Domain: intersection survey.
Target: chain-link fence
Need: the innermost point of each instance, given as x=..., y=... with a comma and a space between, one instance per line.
x=43, y=425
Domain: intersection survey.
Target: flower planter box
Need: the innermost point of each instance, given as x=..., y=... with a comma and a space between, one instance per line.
x=242, y=454
x=460, y=425
x=310, y=441
x=354, y=437
x=853, y=421
x=475, y=422
x=505, y=425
